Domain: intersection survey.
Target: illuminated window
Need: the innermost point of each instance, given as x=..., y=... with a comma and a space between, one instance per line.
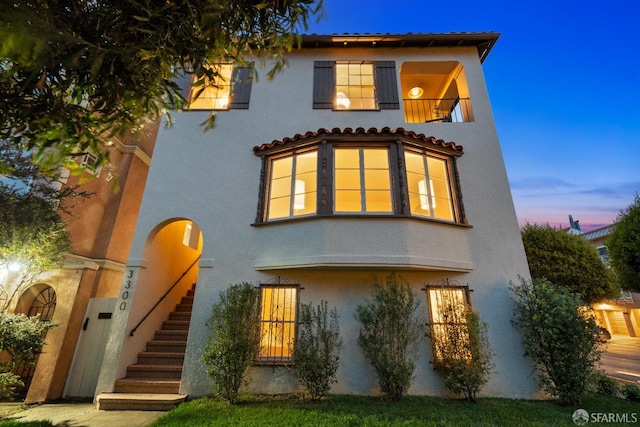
x=382, y=177
x=229, y=89
x=90, y=163
x=278, y=322
x=428, y=184
x=355, y=86
x=292, y=188
x=448, y=307
x=362, y=180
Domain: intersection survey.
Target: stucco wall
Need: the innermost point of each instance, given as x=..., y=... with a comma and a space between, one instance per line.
x=213, y=178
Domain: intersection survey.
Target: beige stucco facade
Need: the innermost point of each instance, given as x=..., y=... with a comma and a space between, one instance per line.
x=213, y=180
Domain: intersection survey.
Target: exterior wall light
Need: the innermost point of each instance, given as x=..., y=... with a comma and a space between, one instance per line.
x=415, y=92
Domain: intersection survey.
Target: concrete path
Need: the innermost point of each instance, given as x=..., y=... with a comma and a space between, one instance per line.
x=81, y=415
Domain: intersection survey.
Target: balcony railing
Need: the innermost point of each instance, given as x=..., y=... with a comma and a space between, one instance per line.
x=443, y=110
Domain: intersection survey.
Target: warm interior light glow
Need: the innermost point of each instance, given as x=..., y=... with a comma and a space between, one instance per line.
x=422, y=189
x=415, y=92
x=223, y=101
x=299, y=198
x=342, y=102
x=14, y=266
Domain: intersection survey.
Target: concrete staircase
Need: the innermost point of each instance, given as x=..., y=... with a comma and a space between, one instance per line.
x=153, y=382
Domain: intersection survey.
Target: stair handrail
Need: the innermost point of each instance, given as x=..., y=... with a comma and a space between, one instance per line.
x=133, y=331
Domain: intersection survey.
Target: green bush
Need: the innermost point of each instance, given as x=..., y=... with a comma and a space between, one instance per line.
x=8, y=384
x=631, y=392
x=235, y=338
x=463, y=353
x=605, y=385
x=560, y=335
x=389, y=333
x=22, y=338
x=316, y=353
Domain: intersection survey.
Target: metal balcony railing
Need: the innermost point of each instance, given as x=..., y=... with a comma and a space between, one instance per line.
x=443, y=110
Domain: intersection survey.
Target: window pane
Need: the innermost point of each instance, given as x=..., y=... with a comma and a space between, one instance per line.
x=355, y=87
x=281, y=187
x=278, y=317
x=376, y=179
x=213, y=95
x=376, y=158
x=281, y=167
x=348, y=201
x=347, y=179
x=378, y=201
x=429, y=191
x=347, y=158
x=293, y=185
x=279, y=208
x=440, y=188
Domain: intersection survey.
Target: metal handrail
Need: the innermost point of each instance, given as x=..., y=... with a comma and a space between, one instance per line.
x=133, y=331
x=437, y=110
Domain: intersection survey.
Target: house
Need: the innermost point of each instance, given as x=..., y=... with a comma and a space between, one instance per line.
x=622, y=316
x=81, y=295
x=368, y=155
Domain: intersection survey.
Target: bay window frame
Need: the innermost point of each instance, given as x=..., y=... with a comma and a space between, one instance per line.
x=325, y=190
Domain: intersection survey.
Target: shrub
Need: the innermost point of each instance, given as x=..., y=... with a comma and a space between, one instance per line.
x=389, y=333
x=560, y=335
x=235, y=338
x=463, y=354
x=316, y=353
x=631, y=392
x=22, y=338
x=8, y=384
x=605, y=385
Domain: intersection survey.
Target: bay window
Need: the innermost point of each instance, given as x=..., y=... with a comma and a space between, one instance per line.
x=380, y=175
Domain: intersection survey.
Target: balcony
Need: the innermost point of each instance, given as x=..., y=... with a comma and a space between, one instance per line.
x=437, y=110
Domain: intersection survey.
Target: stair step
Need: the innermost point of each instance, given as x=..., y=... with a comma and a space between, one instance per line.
x=171, y=335
x=180, y=315
x=139, y=401
x=179, y=325
x=191, y=292
x=187, y=300
x=142, y=385
x=167, y=346
x=154, y=371
x=160, y=358
x=184, y=307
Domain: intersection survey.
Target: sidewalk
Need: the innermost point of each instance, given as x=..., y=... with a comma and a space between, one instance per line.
x=79, y=415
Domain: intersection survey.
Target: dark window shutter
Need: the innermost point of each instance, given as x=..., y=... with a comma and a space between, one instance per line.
x=324, y=84
x=241, y=79
x=183, y=80
x=387, y=85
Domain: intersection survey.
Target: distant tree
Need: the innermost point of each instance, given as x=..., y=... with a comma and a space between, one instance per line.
x=623, y=246
x=568, y=261
x=75, y=73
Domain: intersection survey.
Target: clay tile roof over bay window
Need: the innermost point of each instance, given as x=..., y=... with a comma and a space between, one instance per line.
x=360, y=132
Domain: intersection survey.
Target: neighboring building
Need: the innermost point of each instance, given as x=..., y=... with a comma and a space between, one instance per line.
x=314, y=186
x=81, y=296
x=622, y=316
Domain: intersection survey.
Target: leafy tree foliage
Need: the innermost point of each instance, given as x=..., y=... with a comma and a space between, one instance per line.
x=235, y=338
x=22, y=338
x=560, y=335
x=74, y=73
x=390, y=330
x=624, y=247
x=316, y=353
x=568, y=261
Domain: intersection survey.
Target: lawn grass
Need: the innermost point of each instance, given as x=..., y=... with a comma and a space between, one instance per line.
x=342, y=410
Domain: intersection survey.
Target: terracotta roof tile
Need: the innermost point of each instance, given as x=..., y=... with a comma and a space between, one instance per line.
x=385, y=131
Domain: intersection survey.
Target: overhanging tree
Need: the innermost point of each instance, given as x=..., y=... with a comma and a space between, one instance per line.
x=624, y=247
x=568, y=261
x=75, y=73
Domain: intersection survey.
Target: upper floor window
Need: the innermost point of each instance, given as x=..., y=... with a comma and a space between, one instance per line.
x=355, y=85
x=387, y=175
x=229, y=87
x=278, y=311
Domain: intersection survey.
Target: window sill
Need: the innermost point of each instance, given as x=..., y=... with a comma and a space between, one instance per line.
x=360, y=216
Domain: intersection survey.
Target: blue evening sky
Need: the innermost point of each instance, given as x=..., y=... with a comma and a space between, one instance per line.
x=564, y=84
